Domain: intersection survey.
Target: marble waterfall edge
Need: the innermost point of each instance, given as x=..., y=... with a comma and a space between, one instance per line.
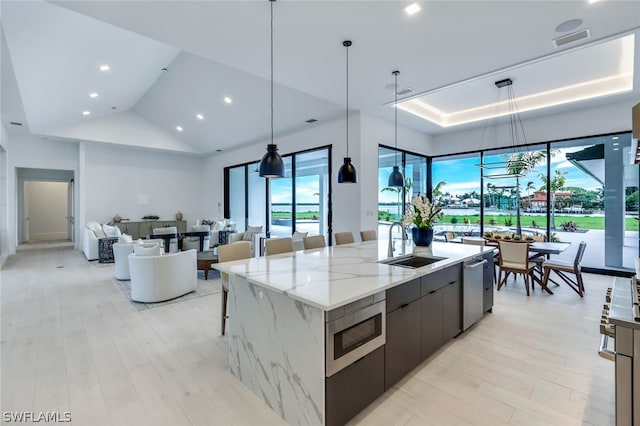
x=288, y=335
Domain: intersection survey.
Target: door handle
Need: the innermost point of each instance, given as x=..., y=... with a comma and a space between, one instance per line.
x=475, y=265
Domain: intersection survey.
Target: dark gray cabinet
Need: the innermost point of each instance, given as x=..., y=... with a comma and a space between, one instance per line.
x=431, y=336
x=350, y=390
x=452, y=313
x=402, y=348
x=487, y=283
x=440, y=308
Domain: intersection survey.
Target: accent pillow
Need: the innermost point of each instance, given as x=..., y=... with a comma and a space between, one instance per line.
x=251, y=231
x=96, y=229
x=146, y=250
x=111, y=231
x=299, y=235
x=125, y=239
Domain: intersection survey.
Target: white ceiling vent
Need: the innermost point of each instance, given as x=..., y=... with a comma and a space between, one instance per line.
x=572, y=38
x=406, y=91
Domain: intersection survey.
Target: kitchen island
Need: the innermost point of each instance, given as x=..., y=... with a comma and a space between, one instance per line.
x=287, y=316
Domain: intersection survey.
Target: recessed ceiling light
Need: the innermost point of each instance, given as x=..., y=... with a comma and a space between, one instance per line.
x=105, y=67
x=616, y=144
x=200, y=116
x=227, y=99
x=592, y=1
x=179, y=128
x=86, y=112
x=218, y=150
x=412, y=9
x=93, y=95
x=616, y=149
x=615, y=138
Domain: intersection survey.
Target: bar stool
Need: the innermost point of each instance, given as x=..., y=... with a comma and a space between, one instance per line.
x=344, y=238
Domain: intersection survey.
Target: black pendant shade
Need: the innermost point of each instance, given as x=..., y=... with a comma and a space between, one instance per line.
x=271, y=165
x=395, y=178
x=347, y=173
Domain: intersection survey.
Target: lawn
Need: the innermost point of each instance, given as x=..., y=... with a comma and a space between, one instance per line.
x=311, y=215
x=531, y=221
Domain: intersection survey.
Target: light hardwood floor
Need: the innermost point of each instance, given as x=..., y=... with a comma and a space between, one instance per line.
x=71, y=342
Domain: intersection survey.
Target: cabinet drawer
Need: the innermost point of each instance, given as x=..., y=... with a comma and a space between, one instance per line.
x=439, y=279
x=403, y=294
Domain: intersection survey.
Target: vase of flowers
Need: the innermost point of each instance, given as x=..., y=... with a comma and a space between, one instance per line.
x=421, y=213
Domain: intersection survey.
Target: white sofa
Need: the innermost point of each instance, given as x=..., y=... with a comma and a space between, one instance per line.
x=92, y=232
x=164, y=277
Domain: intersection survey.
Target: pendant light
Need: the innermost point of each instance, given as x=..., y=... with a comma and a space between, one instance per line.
x=396, y=180
x=347, y=173
x=271, y=165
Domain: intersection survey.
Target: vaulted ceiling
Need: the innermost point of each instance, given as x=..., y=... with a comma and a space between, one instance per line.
x=172, y=60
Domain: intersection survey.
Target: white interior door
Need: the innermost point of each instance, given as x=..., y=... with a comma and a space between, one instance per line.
x=25, y=219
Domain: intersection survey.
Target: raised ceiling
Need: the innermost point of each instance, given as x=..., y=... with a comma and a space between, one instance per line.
x=216, y=49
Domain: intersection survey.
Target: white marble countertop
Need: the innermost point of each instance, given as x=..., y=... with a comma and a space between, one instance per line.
x=334, y=276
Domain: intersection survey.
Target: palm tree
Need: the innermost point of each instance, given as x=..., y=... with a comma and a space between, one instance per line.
x=520, y=164
x=530, y=186
x=557, y=184
x=437, y=193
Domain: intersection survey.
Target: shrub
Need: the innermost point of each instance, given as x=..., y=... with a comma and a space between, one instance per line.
x=492, y=221
x=454, y=220
x=508, y=221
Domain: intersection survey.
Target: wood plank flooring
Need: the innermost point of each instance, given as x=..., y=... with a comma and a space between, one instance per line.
x=71, y=342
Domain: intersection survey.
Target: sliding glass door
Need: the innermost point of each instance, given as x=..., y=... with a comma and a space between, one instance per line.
x=300, y=201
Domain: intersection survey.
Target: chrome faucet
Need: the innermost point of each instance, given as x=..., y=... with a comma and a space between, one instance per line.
x=391, y=242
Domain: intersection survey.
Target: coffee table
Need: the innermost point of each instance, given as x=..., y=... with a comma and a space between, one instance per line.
x=204, y=260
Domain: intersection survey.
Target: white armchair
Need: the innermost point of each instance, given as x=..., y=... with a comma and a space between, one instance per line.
x=121, y=252
x=252, y=234
x=157, y=278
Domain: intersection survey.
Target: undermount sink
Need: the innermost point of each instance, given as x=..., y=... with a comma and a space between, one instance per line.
x=412, y=261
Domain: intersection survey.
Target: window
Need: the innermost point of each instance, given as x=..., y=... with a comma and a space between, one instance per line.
x=300, y=201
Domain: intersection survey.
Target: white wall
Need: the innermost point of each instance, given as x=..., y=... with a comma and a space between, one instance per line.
x=134, y=183
x=47, y=210
x=30, y=151
x=4, y=189
x=586, y=122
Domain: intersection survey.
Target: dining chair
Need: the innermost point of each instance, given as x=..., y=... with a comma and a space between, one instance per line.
x=369, y=235
x=344, y=238
x=279, y=245
x=314, y=241
x=227, y=253
x=514, y=258
x=562, y=268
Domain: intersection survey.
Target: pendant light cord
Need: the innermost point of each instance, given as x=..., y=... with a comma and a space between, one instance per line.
x=347, y=99
x=395, y=108
x=271, y=2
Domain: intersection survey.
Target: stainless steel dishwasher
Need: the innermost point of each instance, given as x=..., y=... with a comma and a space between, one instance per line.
x=472, y=292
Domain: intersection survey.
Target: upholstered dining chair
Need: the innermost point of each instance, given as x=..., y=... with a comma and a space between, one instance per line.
x=314, y=241
x=170, y=234
x=343, y=238
x=279, y=245
x=562, y=268
x=514, y=258
x=369, y=235
x=449, y=236
x=227, y=253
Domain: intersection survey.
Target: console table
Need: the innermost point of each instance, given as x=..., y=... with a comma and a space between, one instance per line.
x=144, y=228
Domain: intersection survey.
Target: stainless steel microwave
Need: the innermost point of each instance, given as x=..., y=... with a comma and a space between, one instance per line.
x=354, y=335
